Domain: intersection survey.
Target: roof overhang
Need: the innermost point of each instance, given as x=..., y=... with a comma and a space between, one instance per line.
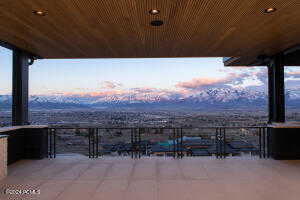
x=121, y=28
x=291, y=58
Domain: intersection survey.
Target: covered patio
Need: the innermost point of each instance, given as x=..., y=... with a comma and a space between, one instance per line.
x=246, y=33
x=252, y=33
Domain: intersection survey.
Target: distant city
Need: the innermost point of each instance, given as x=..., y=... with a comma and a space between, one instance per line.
x=209, y=108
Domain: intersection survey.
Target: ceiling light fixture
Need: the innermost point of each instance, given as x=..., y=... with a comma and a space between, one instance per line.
x=154, y=12
x=157, y=23
x=270, y=10
x=39, y=12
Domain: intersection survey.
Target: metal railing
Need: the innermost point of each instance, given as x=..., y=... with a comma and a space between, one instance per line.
x=94, y=139
x=138, y=144
x=51, y=136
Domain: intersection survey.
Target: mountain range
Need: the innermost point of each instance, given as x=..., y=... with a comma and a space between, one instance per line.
x=205, y=99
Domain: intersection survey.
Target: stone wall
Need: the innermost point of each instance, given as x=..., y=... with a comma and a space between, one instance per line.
x=3, y=157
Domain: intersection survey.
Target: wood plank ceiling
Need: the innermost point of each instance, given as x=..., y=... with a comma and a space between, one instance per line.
x=121, y=28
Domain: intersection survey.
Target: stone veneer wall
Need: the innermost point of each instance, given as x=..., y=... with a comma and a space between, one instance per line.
x=3, y=157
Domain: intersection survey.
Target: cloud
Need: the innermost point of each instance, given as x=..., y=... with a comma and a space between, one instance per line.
x=235, y=78
x=110, y=85
x=297, y=72
x=200, y=83
x=143, y=90
x=292, y=78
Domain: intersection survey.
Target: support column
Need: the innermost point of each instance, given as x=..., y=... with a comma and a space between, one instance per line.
x=276, y=89
x=270, y=93
x=20, y=88
x=283, y=139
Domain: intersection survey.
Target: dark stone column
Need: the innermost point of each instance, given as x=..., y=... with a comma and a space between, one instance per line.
x=20, y=88
x=284, y=143
x=276, y=89
x=270, y=93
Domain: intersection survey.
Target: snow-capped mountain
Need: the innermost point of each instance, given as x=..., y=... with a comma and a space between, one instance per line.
x=214, y=97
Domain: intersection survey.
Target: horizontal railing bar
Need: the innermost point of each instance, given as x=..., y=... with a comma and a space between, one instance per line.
x=128, y=128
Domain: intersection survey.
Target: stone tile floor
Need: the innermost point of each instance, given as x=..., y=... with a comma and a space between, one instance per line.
x=155, y=178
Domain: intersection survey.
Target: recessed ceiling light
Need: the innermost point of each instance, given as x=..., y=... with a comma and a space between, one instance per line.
x=39, y=12
x=270, y=10
x=157, y=23
x=154, y=12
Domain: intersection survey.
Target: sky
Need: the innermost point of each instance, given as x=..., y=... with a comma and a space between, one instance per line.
x=120, y=76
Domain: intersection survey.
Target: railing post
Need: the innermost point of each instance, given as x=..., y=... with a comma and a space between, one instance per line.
x=135, y=142
x=97, y=147
x=139, y=143
x=181, y=144
x=89, y=133
x=220, y=142
x=224, y=142
x=217, y=142
x=268, y=142
x=264, y=143
x=94, y=142
x=177, y=142
x=174, y=135
x=49, y=143
x=259, y=135
x=54, y=143
x=131, y=139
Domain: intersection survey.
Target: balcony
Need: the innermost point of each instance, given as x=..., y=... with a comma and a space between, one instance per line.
x=88, y=173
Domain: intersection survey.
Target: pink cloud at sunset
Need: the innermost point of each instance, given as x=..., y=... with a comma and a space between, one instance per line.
x=198, y=83
x=231, y=79
x=294, y=72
